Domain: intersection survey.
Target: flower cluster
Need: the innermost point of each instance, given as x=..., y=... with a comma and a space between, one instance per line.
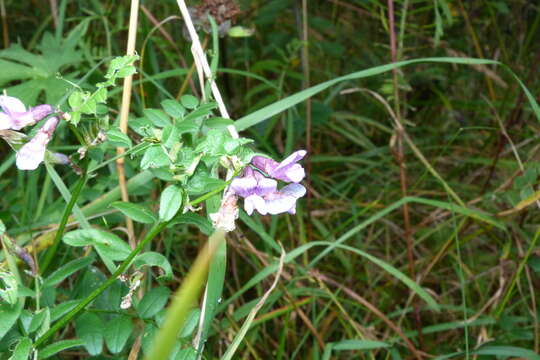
x=15, y=116
x=258, y=185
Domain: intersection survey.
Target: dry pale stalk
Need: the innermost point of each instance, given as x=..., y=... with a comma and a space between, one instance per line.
x=124, y=113
x=202, y=62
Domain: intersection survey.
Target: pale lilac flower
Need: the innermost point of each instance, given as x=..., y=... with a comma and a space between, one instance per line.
x=284, y=200
x=253, y=183
x=288, y=170
x=33, y=152
x=261, y=193
x=252, y=187
x=14, y=115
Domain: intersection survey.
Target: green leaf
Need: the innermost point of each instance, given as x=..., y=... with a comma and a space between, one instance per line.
x=136, y=212
x=154, y=157
x=170, y=136
x=218, y=123
x=201, y=182
x=89, y=328
x=201, y=112
x=186, y=354
x=75, y=100
x=9, y=315
x=173, y=108
x=119, y=67
x=189, y=101
x=157, y=117
x=187, y=125
x=170, y=202
x=192, y=319
x=352, y=345
x=150, y=331
x=507, y=351
x=38, y=73
x=61, y=309
x=9, y=287
x=13, y=71
x=42, y=319
x=57, y=347
x=22, y=351
x=67, y=270
x=118, y=138
x=106, y=244
x=127, y=71
x=117, y=333
x=100, y=95
x=153, y=301
x=151, y=258
x=204, y=225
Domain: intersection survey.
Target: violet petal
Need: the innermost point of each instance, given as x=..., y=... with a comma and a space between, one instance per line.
x=288, y=170
x=41, y=111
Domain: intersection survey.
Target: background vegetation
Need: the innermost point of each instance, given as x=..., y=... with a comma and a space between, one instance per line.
x=427, y=171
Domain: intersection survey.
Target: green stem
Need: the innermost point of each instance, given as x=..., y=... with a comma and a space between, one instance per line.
x=125, y=264
x=133, y=150
x=65, y=217
x=156, y=228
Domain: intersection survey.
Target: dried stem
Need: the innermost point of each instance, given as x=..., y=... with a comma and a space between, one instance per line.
x=54, y=12
x=124, y=113
x=353, y=295
x=305, y=85
x=201, y=61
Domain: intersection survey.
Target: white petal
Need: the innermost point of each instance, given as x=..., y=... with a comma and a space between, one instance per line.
x=255, y=202
x=296, y=173
x=30, y=156
x=12, y=104
x=280, y=204
x=33, y=152
x=6, y=122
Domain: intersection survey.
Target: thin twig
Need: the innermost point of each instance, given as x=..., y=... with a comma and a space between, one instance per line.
x=400, y=157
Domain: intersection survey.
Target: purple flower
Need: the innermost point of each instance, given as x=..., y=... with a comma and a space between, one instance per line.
x=288, y=170
x=15, y=116
x=33, y=152
x=261, y=193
